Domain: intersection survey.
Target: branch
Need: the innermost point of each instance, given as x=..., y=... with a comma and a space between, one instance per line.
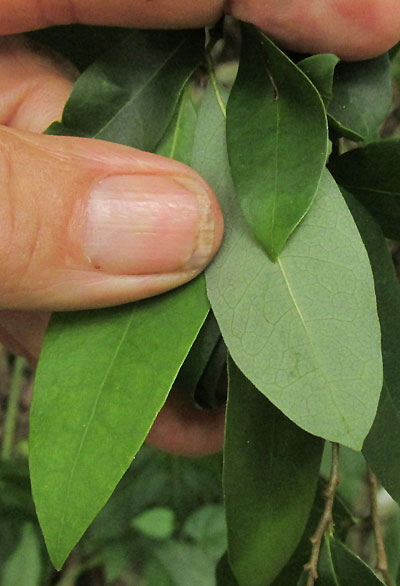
x=381, y=558
x=326, y=519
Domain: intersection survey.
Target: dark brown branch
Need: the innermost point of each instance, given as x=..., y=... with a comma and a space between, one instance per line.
x=326, y=519
x=381, y=557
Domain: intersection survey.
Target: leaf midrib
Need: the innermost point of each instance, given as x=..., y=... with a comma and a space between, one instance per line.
x=80, y=447
x=312, y=345
x=134, y=96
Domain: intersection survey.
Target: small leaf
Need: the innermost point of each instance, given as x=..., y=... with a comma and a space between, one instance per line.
x=207, y=527
x=273, y=111
x=320, y=70
x=305, y=330
x=382, y=446
x=338, y=565
x=186, y=564
x=157, y=523
x=372, y=175
x=270, y=477
x=24, y=566
x=362, y=97
x=131, y=103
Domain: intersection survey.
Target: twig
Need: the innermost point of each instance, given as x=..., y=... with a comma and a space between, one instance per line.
x=326, y=519
x=12, y=408
x=381, y=557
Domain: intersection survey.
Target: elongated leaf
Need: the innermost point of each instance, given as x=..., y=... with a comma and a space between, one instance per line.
x=273, y=112
x=382, y=446
x=102, y=379
x=102, y=383
x=372, y=175
x=270, y=477
x=305, y=330
x=132, y=103
x=343, y=519
x=320, y=69
x=341, y=567
x=362, y=97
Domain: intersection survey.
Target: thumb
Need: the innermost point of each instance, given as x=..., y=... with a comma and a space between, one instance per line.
x=85, y=223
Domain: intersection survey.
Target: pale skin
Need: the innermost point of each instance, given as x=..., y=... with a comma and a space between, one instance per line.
x=52, y=229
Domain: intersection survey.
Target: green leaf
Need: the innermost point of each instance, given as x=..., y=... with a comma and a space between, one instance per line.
x=80, y=44
x=320, y=69
x=304, y=330
x=362, y=97
x=352, y=469
x=102, y=379
x=157, y=523
x=273, y=111
x=199, y=355
x=91, y=360
x=177, y=142
x=382, y=446
x=340, y=567
x=225, y=576
x=270, y=477
x=372, y=175
x=186, y=564
x=207, y=528
x=120, y=101
x=24, y=566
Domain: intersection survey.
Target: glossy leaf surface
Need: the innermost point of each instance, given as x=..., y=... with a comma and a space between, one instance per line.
x=304, y=330
x=382, y=446
x=341, y=567
x=362, y=97
x=103, y=377
x=273, y=111
x=372, y=175
x=270, y=477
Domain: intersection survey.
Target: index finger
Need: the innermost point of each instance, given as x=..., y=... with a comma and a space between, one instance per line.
x=22, y=15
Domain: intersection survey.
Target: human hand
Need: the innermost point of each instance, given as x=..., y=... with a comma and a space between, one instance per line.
x=46, y=233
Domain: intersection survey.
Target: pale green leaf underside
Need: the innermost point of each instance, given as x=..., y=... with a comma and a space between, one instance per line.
x=304, y=330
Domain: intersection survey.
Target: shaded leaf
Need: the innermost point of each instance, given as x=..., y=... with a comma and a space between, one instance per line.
x=382, y=446
x=362, y=97
x=207, y=527
x=340, y=567
x=199, y=355
x=80, y=44
x=305, y=330
x=342, y=520
x=352, y=469
x=273, y=111
x=24, y=566
x=372, y=175
x=131, y=103
x=186, y=564
x=225, y=576
x=320, y=69
x=270, y=477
